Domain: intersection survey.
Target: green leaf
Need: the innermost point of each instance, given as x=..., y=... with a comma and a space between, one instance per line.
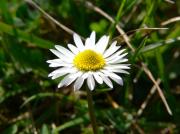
x=44, y=129
x=100, y=26
x=40, y=95
x=28, y=37
x=141, y=46
x=11, y=130
x=74, y=122
x=156, y=45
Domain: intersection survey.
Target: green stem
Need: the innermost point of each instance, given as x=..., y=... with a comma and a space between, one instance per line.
x=118, y=16
x=91, y=111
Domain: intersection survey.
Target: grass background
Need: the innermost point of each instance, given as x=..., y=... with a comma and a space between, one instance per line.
x=31, y=103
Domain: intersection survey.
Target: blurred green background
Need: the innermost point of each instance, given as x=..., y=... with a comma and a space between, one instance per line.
x=31, y=103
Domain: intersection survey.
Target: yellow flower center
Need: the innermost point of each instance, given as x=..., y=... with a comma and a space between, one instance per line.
x=89, y=60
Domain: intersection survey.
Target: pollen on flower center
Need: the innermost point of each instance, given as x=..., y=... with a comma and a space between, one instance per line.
x=89, y=60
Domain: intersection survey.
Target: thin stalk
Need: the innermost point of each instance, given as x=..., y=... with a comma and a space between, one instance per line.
x=91, y=111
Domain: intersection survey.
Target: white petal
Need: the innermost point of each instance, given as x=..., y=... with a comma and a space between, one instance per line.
x=54, y=61
x=64, y=51
x=54, y=65
x=92, y=39
x=117, y=60
x=88, y=44
x=78, y=83
x=98, y=78
x=73, y=48
x=78, y=42
x=118, y=81
x=123, y=55
x=113, y=76
x=119, y=71
x=90, y=82
x=58, y=75
x=85, y=75
x=112, y=49
x=61, y=56
x=118, y=66
x=107, y=80
x=61, y=71
x=57, y=53
x=68, y=79
x=115, y=55
x=74, y=76
x=102, y=44
x=60, y=65
x=60, y=85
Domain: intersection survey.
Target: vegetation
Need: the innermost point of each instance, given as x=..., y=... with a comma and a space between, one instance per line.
x=30, y=102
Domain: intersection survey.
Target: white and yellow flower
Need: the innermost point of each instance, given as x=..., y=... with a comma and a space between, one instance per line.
x=90, y=61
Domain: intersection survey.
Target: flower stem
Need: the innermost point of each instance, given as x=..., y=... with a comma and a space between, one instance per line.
x=91, y=111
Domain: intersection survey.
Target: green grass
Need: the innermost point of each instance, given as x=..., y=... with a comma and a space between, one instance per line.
x=30, y=101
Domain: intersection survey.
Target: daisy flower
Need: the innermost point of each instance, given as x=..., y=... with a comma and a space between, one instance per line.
x=90, y=61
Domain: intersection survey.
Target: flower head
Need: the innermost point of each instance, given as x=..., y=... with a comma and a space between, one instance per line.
x=90, y=61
